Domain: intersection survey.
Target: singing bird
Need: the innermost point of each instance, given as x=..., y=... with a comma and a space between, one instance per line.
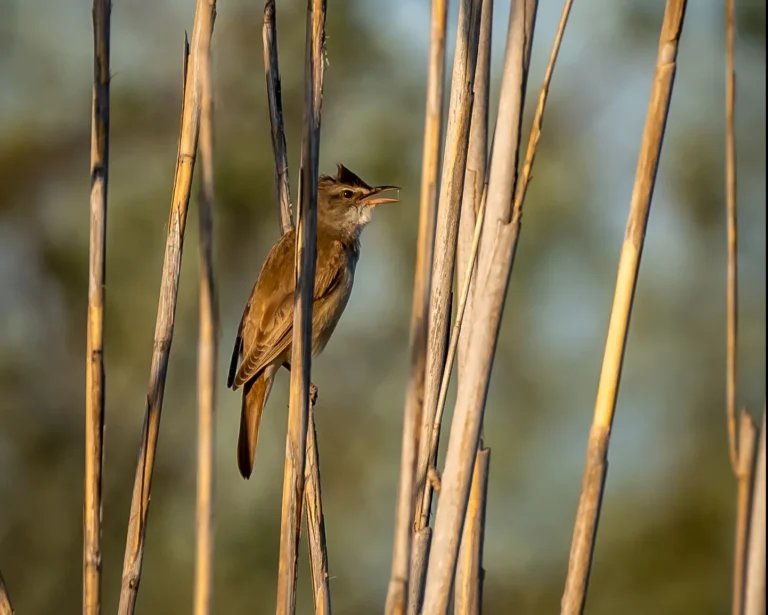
x=344, y=206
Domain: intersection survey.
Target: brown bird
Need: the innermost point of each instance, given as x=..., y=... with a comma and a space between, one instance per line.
x=344, y=206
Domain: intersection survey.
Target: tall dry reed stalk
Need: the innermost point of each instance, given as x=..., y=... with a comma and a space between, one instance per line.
x=166, y=309
x=741, y=441
x=468, y=585
x=731, y=292
x=275, y=104
x=207, y=352
x=95, y=377
x=306, y=249
x=587, y=515
x=397, y=592
x=477, y=159
x=277, y=126
x=318, y=554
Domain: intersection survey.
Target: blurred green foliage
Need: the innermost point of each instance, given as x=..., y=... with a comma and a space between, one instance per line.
x=665, y=541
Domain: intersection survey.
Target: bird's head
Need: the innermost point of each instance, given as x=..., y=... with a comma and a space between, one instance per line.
x=346, y=202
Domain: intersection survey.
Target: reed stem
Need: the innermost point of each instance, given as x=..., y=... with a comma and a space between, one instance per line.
x=202, y=29
x=95, y=377
x=275, y=103
x=587, y=515
x=207, y=352
x=306, y=250
x=732, y=303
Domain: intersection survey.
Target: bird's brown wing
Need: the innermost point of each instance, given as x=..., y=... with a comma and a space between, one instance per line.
x=267, y=329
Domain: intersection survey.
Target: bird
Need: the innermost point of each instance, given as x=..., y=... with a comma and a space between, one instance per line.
x=345, y=204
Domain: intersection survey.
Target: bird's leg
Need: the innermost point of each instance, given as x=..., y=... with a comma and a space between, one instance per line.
x=312, y=387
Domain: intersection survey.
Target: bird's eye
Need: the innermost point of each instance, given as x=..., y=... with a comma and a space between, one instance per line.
x=347, y=194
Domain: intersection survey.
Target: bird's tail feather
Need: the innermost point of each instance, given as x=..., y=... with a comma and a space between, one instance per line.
x=255, y=394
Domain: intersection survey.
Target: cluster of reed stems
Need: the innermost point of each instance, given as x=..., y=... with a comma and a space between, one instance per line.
x=470, y=221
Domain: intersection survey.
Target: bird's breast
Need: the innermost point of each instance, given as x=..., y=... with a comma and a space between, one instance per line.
x=327, y=313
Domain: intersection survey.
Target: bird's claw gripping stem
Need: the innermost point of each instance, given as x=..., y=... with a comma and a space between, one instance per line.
x=312, y=387
x=433, y=476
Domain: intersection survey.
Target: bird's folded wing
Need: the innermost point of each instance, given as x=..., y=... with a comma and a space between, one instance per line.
x=271, y=339
x=274, y=332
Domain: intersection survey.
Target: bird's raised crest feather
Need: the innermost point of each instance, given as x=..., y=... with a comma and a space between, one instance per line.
x=346, y=177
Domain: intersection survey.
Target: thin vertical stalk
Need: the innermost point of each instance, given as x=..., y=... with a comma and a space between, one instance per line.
x=6, y=608
x=306, y=249
x=538, y=118
x=596, y=466
x=487, y=310
x=732, y=304
x=469, y=568
x=275, y=102
x=516, y=99
x=313, y=500
x=397, y=591
x=207, y=349
x=166, y=310
x=451, y=189
x=95, y=377
x=741, y=443
x=477, y=157
x=754, y=601
x=468, y=590
x=747, y=438
x=318, y=552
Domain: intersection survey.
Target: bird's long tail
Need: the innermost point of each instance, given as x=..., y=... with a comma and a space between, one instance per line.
x=255, y=394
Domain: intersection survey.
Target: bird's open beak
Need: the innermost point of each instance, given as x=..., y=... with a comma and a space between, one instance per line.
x=374, y=199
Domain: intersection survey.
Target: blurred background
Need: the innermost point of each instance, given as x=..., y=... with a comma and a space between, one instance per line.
x=665, y=541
